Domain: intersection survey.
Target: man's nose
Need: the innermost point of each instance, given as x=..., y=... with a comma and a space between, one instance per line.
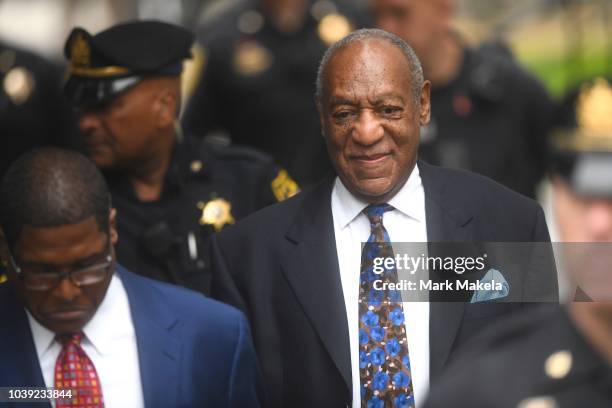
x=88, y=120
x=368, y=130
x=599, y=220
x=66, y=290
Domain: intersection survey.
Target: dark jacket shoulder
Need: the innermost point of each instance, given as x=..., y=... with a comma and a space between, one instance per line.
x=471, y=188
x=204, y=313
x=499, y=213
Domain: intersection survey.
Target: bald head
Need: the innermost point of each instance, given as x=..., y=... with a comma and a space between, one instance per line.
x=358, y=39
x=420, y=23
x=51, y=187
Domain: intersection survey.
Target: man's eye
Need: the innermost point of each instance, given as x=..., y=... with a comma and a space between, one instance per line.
x=342, y=115
x=390, y=110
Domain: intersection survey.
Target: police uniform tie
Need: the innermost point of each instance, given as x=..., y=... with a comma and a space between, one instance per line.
x=74, y=371
x=384, y=362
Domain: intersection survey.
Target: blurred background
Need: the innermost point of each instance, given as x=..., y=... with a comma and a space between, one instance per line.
x=561, y=41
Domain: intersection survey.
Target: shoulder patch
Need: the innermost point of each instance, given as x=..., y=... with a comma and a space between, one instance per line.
x=283, y=186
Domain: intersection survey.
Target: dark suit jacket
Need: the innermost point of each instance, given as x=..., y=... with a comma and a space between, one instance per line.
x=192, y=351
x=280, y=267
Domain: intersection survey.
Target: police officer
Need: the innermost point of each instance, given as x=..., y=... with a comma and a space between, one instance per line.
x=171, y=190
x=488, y=115
x=561, y=358
x=258, y=79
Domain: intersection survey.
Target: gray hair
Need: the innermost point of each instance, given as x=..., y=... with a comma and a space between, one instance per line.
x=416, y=70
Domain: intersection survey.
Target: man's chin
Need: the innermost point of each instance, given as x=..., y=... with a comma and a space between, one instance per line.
x=67, y=324
x=373, y=190
x=100, y=154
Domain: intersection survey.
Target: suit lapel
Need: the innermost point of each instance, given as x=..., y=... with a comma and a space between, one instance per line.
x=313, y=272
x=445, y=223
x=20, y=366
x=158, y=347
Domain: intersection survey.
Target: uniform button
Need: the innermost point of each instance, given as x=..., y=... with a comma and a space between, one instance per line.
x=538, y=402
x=558, y=364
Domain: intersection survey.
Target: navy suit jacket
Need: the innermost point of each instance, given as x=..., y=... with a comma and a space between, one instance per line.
x=280, y=266
x=193, y=351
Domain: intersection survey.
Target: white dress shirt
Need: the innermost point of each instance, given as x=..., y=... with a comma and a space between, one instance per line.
x=406, y=223
x=110, y=343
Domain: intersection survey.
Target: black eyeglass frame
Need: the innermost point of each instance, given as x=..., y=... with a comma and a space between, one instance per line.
x=59, y=277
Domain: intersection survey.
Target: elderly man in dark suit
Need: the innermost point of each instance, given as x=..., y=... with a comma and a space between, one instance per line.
x=297, y=269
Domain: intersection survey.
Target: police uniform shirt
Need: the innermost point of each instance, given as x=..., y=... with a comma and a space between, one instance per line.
x=257, y=86
x=206, y=188
x=536, y=360
x=493, y=119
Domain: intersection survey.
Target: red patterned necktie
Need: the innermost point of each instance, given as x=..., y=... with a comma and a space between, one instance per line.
x=75, y=371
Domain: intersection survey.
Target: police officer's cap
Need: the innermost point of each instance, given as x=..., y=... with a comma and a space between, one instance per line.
x=114, y=60
x=581, y=146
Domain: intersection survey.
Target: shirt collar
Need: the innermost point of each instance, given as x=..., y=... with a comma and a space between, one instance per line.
x=43, y=337
x=112, y=319
x=408, y=200
x=103, y=328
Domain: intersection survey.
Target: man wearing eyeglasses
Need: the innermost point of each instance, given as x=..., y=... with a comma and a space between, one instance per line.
x=75, y=320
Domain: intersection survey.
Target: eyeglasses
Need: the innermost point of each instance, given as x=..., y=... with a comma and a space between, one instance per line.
x=43, y=281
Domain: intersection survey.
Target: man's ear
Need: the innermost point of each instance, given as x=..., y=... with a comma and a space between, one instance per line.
x=425, y=103
x=112, y=224
x=167, y=108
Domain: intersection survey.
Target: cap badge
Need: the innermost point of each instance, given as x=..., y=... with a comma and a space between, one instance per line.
x=80, y=54
x=594, y=108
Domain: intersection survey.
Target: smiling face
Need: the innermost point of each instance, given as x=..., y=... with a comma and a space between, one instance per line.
x=65, y=308
x=370, y=119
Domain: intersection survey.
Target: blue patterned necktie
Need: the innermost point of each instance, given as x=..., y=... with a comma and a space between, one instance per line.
x=384, y=363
